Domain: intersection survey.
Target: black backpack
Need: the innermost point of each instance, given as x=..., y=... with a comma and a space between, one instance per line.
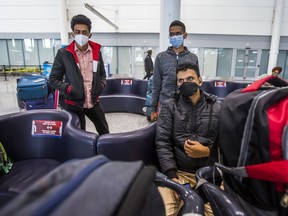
x=94, y=186
x=253, y=139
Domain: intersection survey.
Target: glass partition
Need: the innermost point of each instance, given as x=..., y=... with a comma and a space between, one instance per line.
x=15, y=50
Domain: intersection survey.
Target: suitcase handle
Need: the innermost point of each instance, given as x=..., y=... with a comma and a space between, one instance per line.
x=273, y=80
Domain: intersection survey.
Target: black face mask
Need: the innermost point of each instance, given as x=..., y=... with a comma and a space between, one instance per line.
x=187, y=89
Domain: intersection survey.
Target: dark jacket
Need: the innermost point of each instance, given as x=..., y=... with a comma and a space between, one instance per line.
x=164, y=75
x=178, y=121
x=66, y=66
x=148, y=63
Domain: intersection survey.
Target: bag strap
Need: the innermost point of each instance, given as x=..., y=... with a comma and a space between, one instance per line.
x=273, y=80
x=271, y=171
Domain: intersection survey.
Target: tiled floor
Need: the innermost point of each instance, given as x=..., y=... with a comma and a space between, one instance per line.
x=118, y=122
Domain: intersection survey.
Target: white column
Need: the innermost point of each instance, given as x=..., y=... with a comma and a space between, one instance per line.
x=275, y=39
x=169, y=11
x=63, y=22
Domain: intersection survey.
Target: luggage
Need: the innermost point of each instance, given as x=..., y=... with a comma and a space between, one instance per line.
x=31, y=87
x=147, y=107
x=98, y=186
x=40, y=103
x=253, y=139
x=93, y=186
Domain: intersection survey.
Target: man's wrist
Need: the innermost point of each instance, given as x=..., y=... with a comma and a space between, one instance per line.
x=171, y=174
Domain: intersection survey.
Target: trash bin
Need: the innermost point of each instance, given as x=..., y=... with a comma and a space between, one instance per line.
x=47, y=67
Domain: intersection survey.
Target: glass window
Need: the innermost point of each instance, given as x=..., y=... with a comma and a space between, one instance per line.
x=31, y=52
x=264, y=62
x=139, y=55
x=107, y=55
x=246, y=61
x=124, y=62
x=57, y=45
x=240, y=62
x=46, y=50
x=224, y=62
x=210, y=62
x=194, y=50
x=217, y=62
x=281, y=61
x=15, y=50
x=4, y=60
x=284, y=71
x=251, y=63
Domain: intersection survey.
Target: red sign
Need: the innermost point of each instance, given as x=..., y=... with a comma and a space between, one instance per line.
x=47, y=128
x=220, y=84
x=126, y=82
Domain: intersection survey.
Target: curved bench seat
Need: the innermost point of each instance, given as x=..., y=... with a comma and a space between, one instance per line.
x=38, y=141
x=130, y=146
x=221, y=88
x=124, y=95
x=122, y=103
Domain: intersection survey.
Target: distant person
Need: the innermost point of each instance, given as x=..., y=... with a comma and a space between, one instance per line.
x=187, y=128
x=79, y=73
x=164, y=76
x=148, y=64
x=276, y=71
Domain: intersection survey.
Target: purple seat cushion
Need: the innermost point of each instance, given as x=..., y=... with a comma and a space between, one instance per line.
x=24, y=173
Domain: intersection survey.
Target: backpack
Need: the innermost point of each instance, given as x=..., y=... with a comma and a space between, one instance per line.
x=5, y=162
x=253, y=140
x=147, y=106
x=93, y=186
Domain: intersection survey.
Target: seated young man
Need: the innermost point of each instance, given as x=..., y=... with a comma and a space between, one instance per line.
x=187, y=127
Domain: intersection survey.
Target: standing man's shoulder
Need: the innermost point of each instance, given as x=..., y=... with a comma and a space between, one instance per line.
x=165, y=53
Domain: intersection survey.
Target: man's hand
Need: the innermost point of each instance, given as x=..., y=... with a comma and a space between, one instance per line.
x=154, y=116
x=195, y=149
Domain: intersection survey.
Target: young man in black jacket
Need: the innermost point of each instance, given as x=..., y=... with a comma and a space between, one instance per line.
x=78, y=72
x=148, y=64
x=187, y=127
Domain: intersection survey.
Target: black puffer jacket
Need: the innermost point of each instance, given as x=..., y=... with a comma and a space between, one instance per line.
x=179, y=120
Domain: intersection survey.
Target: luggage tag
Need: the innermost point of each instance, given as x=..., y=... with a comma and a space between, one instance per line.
x=95, y=66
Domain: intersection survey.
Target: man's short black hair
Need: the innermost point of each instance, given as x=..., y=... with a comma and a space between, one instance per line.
x=80, y=19
x=178, y=23
x=186, y=66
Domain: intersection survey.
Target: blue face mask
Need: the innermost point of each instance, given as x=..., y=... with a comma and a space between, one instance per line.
x=176, y=41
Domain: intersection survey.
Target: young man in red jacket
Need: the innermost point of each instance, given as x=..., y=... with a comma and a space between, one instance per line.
x=78, y=72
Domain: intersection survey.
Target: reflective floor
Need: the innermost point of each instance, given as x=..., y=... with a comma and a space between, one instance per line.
x=118, y=122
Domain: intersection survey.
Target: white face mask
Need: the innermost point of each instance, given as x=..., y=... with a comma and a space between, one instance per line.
x=81, y=39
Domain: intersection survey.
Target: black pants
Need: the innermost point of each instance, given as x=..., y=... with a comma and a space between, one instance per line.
x=148, y=75
x=95, y=114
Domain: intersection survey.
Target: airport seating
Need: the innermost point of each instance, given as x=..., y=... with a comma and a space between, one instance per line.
x=35, y=150
x=124, y=95
x=222, y=88
x=129, y=146
x=38, y=141
x=208, y=179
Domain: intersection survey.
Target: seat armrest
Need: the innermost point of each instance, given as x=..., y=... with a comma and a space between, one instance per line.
x=79, y=143
x=221, y=203
x=129, y=146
